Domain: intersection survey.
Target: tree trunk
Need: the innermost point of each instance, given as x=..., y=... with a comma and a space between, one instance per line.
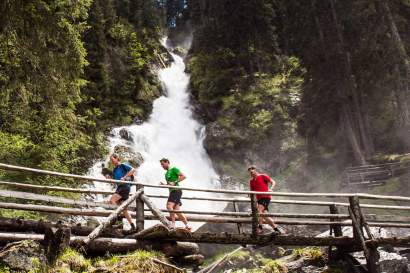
x=56, y=240
x=403, y=58
x=348, y=90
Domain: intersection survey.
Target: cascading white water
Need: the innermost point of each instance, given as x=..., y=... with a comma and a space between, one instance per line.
x=170, y=132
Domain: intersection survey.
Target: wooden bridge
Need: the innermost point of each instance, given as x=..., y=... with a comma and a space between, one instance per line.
x=360, y=211
x=374, y=175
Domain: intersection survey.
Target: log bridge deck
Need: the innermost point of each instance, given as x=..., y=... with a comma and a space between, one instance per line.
x=353, y=212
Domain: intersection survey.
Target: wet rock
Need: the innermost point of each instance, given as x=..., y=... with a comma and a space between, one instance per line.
x=125, y=134
x=389, y=262
x=393, y=262
x=180, y=51
x=165, y=56
x=127, y=154
x=279, y=252
x=311, y=269
x=23, y=256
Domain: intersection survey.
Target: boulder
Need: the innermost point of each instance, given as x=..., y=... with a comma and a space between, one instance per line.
x=125, y=134
x=393, y=262
x=24, y=256
x=127, y=154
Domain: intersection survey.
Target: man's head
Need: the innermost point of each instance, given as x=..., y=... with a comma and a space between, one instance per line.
x=252, y=171
x=115, y=159
x=164, y=163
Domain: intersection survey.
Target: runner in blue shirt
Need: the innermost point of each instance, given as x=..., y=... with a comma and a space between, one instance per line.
x=125, y=173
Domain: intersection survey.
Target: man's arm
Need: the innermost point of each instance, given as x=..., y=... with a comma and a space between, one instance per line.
x=181, y=177
x=130, y=172
x=273, y=183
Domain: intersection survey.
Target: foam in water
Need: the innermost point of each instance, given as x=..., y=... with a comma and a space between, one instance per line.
x=170, y=132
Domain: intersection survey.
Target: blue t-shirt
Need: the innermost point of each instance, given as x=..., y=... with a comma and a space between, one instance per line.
x=120, y=171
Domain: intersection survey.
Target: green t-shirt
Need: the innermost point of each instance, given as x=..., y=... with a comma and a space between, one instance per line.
x=172, y=175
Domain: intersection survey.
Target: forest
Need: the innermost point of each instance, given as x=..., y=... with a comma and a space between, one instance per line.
x=302, y=88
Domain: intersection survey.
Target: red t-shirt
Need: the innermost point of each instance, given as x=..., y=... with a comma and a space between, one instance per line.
x=260, y=183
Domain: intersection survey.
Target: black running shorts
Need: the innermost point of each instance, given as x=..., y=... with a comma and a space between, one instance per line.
x=175, y=197
x=124, y=192
x=264, y=202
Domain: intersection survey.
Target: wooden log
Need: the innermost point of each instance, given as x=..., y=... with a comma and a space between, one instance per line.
x=53, y=199
x=156, y=230
x=179, y=249
x=54, y=209
x=104, y=213
x=21, y=225
x=217, y=264
x=192, y=260
x=255, y=220
x=56, y=240
x=79, y=203
x=100, y=245
x=111, y=218
x=112, y=181
x=243, y=220
x=249, y=214
x=265, y=239
x=371, y=253
x=52, y=188
x=157, y=213
x=139, y=210
x=293, y=202
x=173, y=267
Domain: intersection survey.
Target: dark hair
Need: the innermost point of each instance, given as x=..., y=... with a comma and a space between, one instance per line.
x=164, y=160
x=116, y=156
x=251, y=168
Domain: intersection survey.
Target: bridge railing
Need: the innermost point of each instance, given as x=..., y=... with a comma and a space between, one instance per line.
x=90, y=208
x=146, y=210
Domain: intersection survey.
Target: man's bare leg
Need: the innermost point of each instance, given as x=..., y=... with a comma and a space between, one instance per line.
x=115, y=198
x=267, y=220
x=128, y=216
x=182, y=217
x=170, y=206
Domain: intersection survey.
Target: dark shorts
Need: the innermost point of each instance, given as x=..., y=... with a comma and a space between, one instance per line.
x=264, y=202
x=123, y=192
x=175, y=197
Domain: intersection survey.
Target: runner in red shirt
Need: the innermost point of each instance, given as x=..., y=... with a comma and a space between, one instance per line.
x=261, y=182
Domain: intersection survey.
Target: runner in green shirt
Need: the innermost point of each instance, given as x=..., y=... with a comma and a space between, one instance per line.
x=173, y=177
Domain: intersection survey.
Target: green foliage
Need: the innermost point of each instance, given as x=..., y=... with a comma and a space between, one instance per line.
x=72, y=261
x=69, y=70
x=274, y=266
x=121, y=52
x=20, y=214
x=315, y=254
x=41, y=73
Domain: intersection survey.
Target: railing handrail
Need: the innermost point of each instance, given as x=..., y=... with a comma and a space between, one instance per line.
x=289, y=194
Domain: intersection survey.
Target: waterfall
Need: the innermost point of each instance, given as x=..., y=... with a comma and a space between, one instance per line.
x=171, y=132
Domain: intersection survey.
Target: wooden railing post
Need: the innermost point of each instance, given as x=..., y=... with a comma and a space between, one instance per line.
x=155, y=211
x=337, y=231
x=255, y=220
x=236, y=209
x=358, y=222
x=139, y=210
